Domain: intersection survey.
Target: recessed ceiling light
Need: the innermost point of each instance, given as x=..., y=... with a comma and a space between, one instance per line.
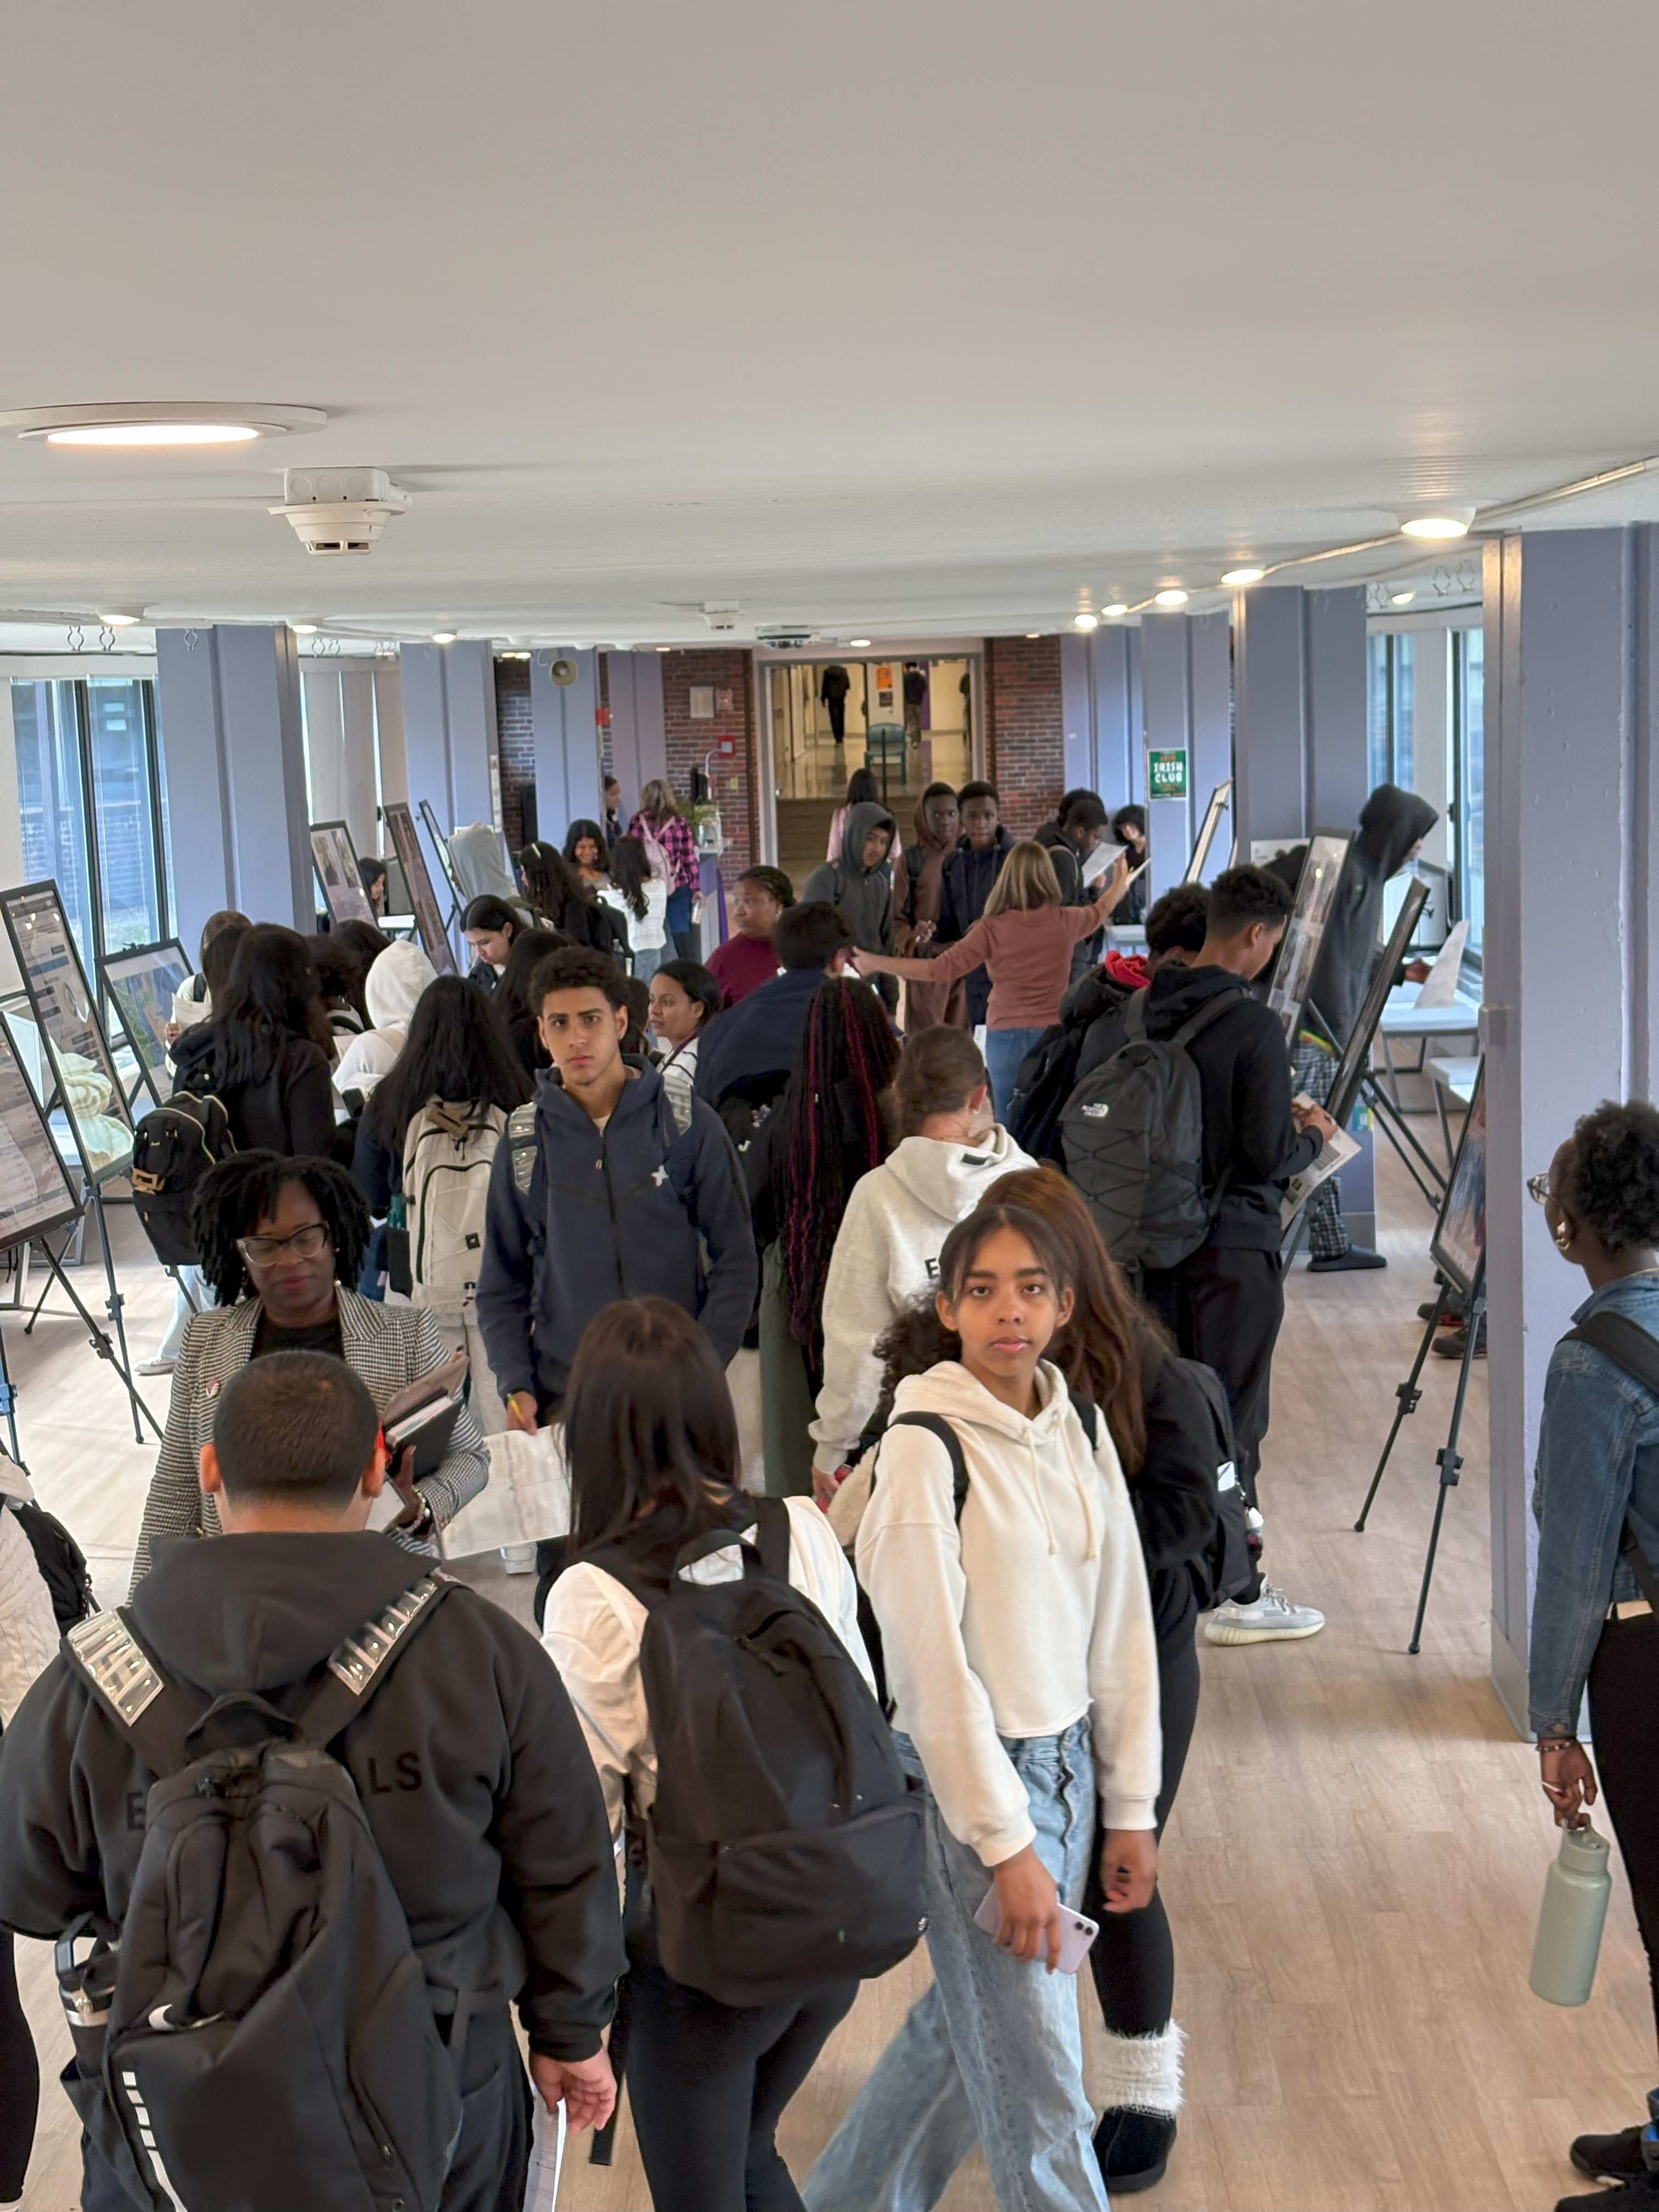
x=665, y=648
x=1116, y=609
x=1450, y=522
x=171, y=423
x=303, y=629
x=443, y=637
x=858, y=643
x=1173, y=597
x=1086, y=622
x=514, y=656
x=1241, y=576
x=1401, y=598
x=118, y=621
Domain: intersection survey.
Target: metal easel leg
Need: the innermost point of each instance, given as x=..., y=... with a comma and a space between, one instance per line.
x=1450, y=1461
x=1409, y=1395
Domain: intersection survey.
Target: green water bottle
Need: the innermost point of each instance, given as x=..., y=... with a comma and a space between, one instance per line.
x=1575, y=1891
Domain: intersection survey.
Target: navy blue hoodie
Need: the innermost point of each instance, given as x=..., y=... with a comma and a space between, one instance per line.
x=580, y=1217
x=752, y=1047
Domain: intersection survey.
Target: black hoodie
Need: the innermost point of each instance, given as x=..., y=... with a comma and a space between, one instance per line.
x=1244, y=1073
x=470, y=1762
x=1391, y=822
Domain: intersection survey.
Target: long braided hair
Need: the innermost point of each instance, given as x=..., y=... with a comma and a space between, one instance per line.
x=835, y=1129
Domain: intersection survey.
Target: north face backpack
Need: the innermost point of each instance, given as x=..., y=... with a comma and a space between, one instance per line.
x=1044, y=1081
x=785, y=1845
x=1227, y=1566
x=174, y=1146
x=448, y=1153
x=1134, y=1134
x=270, y=2042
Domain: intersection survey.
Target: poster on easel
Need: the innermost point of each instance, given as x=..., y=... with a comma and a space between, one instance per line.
x=1459, y=1244
x=423, y=900
x=335, y=857
x=83, y=1082
x=36, y=1195
x=141, y=982
x=1316, y=896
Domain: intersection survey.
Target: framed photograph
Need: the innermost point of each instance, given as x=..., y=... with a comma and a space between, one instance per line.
x=140, y=983
x=1315, y=895
x=336, y=859
x=79, y=1075
x=1220, y=799
x=35, y=1194
x=423, y=900
x=1458, y=1247
x=1356, y=1053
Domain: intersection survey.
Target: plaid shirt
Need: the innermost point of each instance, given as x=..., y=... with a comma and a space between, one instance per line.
x=385, y=1348
x=673, y=833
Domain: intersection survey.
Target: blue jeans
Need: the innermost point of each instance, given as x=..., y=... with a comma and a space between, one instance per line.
x=677, y=920
x=994, y=2051
x=648, y=960
x=1004, y=1051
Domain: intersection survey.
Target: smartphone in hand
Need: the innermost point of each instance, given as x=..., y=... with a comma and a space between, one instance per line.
x=1076, y=1931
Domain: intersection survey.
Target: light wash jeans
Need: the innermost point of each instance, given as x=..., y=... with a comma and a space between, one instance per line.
x=190, y=1280
x=994, y=2051
x=1004, y=1051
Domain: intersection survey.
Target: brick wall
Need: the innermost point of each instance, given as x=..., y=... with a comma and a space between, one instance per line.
x=1024, y=728
x=728, y=671
x=516, y=738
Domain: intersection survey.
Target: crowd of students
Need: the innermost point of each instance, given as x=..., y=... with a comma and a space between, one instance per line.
x=1006, y=1476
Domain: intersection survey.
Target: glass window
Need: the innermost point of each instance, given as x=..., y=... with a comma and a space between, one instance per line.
x=51, y=799
x=1377, y=704
x=124, y=809
x=1391, y=707
x=1468, y=679
x=1402, y=750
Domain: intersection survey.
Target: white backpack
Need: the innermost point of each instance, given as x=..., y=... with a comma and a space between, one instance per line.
x=447, y=1155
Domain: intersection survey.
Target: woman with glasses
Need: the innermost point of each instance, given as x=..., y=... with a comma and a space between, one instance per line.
x=281, y=1240
x=1596, y=1500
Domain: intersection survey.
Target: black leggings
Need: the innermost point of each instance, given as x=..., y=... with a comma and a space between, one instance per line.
x=708, y=2083
x=20, y=2079
x=1133, y=1958
x=1624, y=1703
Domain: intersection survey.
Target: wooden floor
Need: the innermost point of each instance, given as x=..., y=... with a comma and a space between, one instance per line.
x=1354, y=1867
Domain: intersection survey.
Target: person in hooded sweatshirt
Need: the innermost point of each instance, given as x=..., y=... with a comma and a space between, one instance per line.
x=886, y=1251
x=393, y=989
x=750, y=1053
x=493, y=1833
x=265, y=1053
x=859, y=884
x=1225, y=1302
x=1018, y=1641
x=1393, y=824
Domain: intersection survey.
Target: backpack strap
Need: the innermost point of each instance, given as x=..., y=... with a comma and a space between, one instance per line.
x=1206, y=1015
x=156, y=1714
x=1088, y=1415
x=937, y=1427
x=523, y=1145
x=772, y=1526
x=1636, y=1350
x=360, y=1663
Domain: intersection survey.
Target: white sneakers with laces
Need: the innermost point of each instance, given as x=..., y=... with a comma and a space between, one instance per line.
x=1272, y=1619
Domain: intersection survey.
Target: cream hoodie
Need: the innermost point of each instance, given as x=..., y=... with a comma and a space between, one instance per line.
x=886, y=1255
x=1032, y=1613
x=392, y=986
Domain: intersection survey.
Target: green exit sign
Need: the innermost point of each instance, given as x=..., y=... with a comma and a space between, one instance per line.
x=1166, y=774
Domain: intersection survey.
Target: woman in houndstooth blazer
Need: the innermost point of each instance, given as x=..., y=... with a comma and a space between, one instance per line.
x=280, y=1240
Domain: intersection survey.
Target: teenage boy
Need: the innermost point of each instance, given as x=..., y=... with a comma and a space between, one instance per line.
x=1076, y=828
x=469, y=1762
x=1226, y=1301
x=860, y=883
x=602, y=1189
x=965, y=884
x=749, y=1051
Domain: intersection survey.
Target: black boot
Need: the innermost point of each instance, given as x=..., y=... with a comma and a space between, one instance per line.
x=1610, y=2158
x=1133, y=2148
x=1640, y=2194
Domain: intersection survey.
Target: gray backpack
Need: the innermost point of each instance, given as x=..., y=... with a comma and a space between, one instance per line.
x=1133, y=1135
x=270, y=2042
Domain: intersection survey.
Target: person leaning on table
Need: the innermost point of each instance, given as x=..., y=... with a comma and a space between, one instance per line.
x=280, y=1241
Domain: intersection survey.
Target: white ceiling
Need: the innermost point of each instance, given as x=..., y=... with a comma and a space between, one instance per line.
x=879, y=317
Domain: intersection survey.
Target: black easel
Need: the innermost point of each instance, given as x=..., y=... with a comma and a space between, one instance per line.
x=1448, y=1459
x=99, y=1337
x=457, y=904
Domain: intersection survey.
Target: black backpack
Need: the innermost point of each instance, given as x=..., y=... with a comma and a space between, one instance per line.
x=268, y=2042
x=1043, y=1082
x=1133, y=1134
x=1227, y=1564
x=174, y=1146
x=785, y=1846
x=62, y=1562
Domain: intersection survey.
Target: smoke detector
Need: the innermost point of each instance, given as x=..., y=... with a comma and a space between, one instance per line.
x=339, y=510
x=721, y=616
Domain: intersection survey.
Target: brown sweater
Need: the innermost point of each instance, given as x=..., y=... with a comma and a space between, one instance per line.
x=1028, y=958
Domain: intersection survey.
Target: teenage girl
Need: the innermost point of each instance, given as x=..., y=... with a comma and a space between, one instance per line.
x=1019, y=1650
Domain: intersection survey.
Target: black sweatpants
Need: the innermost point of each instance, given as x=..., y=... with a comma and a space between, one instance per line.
x=1623, y=1704
x=20, y=2079
x=1133, y=1958
x=1225, y=1307
x=707, y=2084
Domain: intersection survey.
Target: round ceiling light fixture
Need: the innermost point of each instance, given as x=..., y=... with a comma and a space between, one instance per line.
x=1444, y=522
x=1172, y=596
x=859, y=644
x=443, y=637
x=1117, y=608
x=119, y=622
x=1086, y=622
x=163, y=423
x=1239, y=577
x=303, y=629
x=1401, y=598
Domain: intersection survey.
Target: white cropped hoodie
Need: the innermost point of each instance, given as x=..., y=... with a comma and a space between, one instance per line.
x=886, y=1255
x=1032, y=1613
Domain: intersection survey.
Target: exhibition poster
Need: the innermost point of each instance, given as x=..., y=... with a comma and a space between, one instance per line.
x=61, y=999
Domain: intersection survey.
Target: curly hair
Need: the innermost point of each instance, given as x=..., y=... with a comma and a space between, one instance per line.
x=231, y=1198
x=834, y=1129
x=1610, y=1178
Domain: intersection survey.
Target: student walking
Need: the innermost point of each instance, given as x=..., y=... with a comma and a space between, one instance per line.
x=965, y=884
x=858, y=882
x=1596, y=1502
x=642, y=900
x=1024, y=938
x=1018, y=1644
x=652, y=1446
x=885, y=1257
x=748, y=959
x=752, y=1053
x=1225, y=1302
x=465, y=1777
x=918, y=897
x=666, y=835
x=267, y=1052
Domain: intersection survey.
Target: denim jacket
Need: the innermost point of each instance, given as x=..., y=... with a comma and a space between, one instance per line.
x=1598, y=1460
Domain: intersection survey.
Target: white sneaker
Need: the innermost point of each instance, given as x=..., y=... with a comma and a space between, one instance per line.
x=159, y=1365
x=519, y=1558
x=1272, y=1619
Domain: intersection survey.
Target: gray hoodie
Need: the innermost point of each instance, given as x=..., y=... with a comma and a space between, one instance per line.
x=863, y=896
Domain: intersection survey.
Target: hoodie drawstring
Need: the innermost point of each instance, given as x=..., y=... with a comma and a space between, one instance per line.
x=1037, y=1479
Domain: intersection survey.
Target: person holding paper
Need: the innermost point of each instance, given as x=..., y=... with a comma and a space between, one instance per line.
x=280, y=1241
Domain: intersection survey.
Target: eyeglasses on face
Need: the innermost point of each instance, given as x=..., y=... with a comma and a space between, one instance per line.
x=305, y=1243
x=1538, y=1186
